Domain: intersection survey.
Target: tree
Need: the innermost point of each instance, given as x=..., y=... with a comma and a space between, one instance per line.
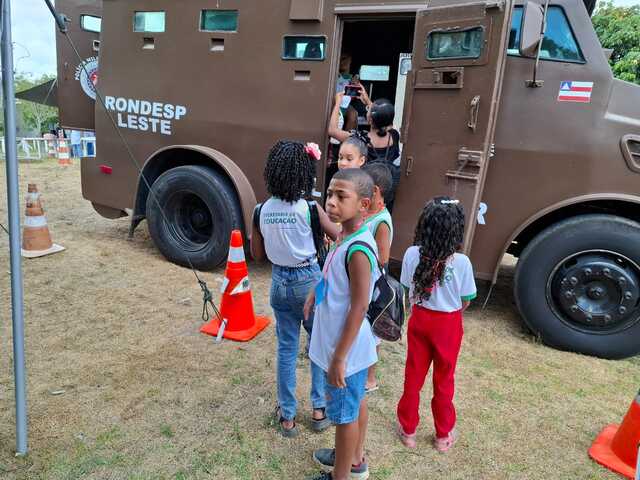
x=34, y=116
x=619, y=29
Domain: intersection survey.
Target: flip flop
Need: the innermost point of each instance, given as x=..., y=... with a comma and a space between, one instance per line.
x=372, y=389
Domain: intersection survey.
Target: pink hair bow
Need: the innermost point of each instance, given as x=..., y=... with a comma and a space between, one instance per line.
x=313, y=149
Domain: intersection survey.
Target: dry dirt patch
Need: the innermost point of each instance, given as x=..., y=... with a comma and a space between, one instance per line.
x=115, y=326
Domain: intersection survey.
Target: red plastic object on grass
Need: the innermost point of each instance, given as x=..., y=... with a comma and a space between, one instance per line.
x=617, y=446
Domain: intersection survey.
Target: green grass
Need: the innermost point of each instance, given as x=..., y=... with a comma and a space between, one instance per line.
x=166, y=431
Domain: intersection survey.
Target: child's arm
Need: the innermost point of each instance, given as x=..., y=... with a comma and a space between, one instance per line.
x=360, y=276
x=465, y=304
x=335, y=131
x=331, y=229
x=257, y=244
x=309, y=303
x=383, y=241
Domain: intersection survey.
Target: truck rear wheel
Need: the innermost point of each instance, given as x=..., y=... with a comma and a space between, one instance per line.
x=577, y=286
x=201, y=209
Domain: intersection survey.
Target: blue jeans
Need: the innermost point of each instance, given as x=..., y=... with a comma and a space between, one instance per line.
x=289, y=290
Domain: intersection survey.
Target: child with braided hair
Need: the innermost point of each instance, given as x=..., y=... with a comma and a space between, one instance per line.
x=441, y=285
x=283, y=233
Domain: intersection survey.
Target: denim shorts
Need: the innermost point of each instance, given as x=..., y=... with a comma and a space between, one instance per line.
x=343, y=404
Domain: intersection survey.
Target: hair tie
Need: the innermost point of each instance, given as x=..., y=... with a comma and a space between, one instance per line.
x=313, y=150
x=363, y=137
x=449, y=202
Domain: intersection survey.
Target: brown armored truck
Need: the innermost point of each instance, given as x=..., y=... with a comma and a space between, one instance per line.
x=509, y=106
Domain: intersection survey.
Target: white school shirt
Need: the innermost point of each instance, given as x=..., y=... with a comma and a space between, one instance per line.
x=286, y=229
x=457, y=286
x=374, y=222
x=331, y=313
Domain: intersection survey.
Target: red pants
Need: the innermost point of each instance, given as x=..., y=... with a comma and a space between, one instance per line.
x=432, y=337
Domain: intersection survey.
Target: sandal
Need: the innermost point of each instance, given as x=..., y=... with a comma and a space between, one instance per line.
x=407, y=440
x=444, y=444
x=369, y=390
x=286, y=432
x=320, y=424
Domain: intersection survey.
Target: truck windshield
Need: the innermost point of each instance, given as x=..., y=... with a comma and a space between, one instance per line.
x=559, y=41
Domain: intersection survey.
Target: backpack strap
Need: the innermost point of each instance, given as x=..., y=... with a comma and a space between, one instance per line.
x=316, y=226
x=351, y=248
x=256, y=216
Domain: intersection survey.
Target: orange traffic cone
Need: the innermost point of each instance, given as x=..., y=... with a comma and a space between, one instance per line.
x=36, y=239
x=63, y=153
x=617, y=446
x=239, y=320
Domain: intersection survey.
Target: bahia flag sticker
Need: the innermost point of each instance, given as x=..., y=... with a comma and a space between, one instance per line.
x=575, y=92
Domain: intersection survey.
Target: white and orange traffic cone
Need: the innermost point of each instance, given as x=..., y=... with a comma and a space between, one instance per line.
x=36, y=239
x=617, y=445
x=64, y=158
x=239, y=322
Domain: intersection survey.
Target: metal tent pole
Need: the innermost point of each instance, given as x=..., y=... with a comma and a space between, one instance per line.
x=17, y=312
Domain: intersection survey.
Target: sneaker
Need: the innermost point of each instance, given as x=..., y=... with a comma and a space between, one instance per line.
x=322, y=476
x=326, y=458
x=444, y=444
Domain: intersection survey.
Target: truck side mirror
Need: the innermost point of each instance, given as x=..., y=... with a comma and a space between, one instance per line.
x=532, y=30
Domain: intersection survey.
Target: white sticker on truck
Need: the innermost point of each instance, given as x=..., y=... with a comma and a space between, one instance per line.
x=145, y=115
x=482, y=210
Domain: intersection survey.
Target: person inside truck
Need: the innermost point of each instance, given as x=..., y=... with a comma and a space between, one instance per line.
x=383, y=141
x=353, y=152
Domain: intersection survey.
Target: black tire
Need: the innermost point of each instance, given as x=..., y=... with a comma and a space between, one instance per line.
x=201, y=210
x=577, y=286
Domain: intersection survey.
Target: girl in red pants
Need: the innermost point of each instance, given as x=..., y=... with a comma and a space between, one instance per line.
x=441, y=285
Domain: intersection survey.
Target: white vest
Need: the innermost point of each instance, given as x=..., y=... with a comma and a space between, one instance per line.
x=286, y=229
x=331, y=313
x=374, y=222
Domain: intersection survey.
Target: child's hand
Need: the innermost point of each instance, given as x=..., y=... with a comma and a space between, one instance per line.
x=309, y=303
x=336, y=372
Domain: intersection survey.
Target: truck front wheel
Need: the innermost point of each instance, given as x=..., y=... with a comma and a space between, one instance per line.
x=577, y=286
x=200, y=210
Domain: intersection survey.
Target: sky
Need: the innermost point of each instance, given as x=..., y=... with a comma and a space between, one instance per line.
x=34, y=37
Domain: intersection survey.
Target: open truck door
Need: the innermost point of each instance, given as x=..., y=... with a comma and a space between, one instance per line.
x=453, y=94
x=76, y=85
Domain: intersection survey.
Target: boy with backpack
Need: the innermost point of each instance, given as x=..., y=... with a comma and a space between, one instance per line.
x=342, y=342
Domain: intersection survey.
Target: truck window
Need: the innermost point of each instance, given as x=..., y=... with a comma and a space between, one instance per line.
x=219, y=21
x=90, y=23
x=455, y=44
x=303, y=48
x=559, y=41
x=148, y=22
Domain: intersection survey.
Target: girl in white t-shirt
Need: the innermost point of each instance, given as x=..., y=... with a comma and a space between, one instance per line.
x=441, y=285
x=283, y=233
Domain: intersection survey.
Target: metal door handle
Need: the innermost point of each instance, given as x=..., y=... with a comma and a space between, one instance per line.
x=409, y=168
x=474, y=109
x=630, y=146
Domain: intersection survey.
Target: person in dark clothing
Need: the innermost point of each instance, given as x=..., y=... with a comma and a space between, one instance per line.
x=383, y=141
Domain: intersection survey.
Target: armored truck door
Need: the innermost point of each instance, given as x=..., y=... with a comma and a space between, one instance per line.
x=76, y=85
x=452, y=100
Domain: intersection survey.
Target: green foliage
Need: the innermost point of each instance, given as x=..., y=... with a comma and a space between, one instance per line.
x=619, y=29
x=34, y=117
